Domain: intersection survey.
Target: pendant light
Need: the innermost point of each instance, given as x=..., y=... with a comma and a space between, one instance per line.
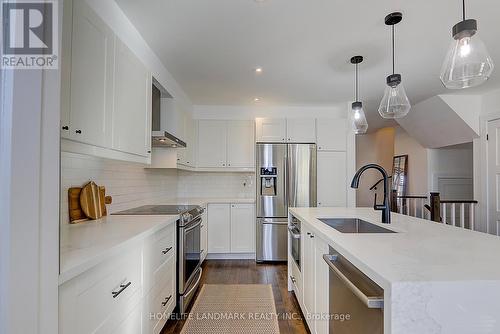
x=467, y=63
x=395, y=103
x=359, y=123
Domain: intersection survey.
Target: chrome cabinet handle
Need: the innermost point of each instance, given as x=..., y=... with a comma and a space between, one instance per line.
x=78, y=131
x=166, y=250
x=293, y=279
x=65, y=127
x=122, y=288
x=166, y=301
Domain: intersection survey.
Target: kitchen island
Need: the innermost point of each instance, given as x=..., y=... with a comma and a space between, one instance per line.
x=436, y=278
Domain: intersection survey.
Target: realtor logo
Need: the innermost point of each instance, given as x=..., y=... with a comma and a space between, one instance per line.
x=29, y=34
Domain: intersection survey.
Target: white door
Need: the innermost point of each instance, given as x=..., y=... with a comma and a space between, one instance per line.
x=332, y=178
x=270, y=130
x=494, y=177
x=211, y=143
x=301, y=130
x=131, y=121
x=240, y=144
x=92, y=65
x=321, y=283
x=331, y=134
x=242, y=228
x=219, y=228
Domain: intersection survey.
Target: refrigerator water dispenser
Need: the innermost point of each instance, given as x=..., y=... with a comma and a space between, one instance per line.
x=268, y=180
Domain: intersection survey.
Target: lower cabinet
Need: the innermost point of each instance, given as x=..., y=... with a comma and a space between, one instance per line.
x=231, y=228
x=315, y=281
x=204, y=235
x=133, y=292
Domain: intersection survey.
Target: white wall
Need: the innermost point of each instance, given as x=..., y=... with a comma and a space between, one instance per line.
x=129, y=184
x=222, y=185
x=417, y=161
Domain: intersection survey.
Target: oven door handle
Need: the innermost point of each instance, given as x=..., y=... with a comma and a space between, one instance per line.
x=293, y=232
x=192, y=225
x=195, y=285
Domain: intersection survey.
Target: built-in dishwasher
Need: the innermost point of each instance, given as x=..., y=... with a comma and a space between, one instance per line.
x=356, y=302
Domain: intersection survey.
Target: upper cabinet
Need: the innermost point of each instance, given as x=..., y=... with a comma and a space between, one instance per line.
x=331, y=134
x=301, y=130
x=225, y=144
x=270, y=130
x=280, y=130
x=212, y=140
x=91, y=72
x=132, y=103
x=106, y=91
x=240, y=144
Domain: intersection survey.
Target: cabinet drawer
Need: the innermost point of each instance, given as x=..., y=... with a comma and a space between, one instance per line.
x=98, y=300
x=297, y=282
x=160, y=302
x=163, y=246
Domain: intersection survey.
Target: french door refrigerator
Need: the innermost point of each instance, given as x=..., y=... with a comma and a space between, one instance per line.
x=286, y=177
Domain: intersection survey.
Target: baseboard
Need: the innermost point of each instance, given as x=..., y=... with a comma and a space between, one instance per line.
x=230, y=256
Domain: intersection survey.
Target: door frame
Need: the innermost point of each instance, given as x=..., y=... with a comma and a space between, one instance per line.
x=480, y=177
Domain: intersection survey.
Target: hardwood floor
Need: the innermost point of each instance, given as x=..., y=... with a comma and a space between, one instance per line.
x=249, y=272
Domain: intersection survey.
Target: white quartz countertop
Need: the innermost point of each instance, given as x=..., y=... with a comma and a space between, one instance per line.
x=86, y=244
x=202, y=201
x=421, y=251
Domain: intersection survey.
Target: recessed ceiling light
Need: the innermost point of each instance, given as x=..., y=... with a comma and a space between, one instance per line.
x=256, y=99
x=258, y=70
x=259, y=0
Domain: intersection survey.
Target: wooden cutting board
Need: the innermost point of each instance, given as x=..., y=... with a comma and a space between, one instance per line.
x=89, y=201
x=76, y=212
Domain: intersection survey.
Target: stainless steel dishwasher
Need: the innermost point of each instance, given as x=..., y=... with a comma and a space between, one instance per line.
x=356, y=302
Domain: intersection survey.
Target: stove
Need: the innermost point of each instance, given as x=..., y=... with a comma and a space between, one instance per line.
x=186, y=212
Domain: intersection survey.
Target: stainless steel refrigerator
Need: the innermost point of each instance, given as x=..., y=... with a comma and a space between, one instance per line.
x=286, y=177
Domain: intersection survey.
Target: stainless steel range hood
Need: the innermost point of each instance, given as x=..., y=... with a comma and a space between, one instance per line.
x=165, y=139
x=160, y=136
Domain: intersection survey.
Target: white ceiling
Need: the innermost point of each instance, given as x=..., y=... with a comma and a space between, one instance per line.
x=212, y=46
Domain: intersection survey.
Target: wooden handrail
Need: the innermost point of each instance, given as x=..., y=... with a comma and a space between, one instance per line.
x=466, y=201
x=411, y=196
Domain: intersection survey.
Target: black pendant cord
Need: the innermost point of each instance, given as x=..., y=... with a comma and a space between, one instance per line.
x=393, y=47
x=463, y=10
x=356, y=83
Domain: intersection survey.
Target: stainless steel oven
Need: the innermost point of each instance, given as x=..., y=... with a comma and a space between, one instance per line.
x=294, y=232
x=189, y=256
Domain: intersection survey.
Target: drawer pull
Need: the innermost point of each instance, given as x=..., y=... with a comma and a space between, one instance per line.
x=166, y=250
x=293, y=279
x=122, y=288
x=166, y=301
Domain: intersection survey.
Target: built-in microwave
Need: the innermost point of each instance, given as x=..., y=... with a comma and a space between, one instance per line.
x=294, y=232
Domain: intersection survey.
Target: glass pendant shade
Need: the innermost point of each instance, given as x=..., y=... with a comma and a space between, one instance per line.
x=395, y=103
x=359, y=123
x=467, y=63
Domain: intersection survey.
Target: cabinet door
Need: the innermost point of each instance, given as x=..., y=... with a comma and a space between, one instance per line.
x=211, y=143
x=270, y=130
x=131, y=121
x=92, y=65
x=186, y=156
x=308, y=270
x=301, y=130
x=321, y=285
x=332, y=188
x=240, y=144
x=331, y=134
x=219, y=231
x=242, y=228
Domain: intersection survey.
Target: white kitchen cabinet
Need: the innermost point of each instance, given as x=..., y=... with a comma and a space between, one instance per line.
x=92, y=66
x=187, y=156
x=212, y=139
x=131, y=121
x=301, y=130
x=332, y=179
x=331, y=134
x=132, y=324
x=242, y=228
x=321, y=284
x=270, y=130
x=240, y=144
x=204, y=235
x=315, y=280
x=219, y=228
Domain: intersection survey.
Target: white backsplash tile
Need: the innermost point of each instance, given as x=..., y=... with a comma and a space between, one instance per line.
x=132, y=185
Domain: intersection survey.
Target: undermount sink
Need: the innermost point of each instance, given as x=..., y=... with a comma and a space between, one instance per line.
x=354, y=225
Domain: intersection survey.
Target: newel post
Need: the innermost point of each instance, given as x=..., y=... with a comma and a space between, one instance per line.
x=435, y=204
